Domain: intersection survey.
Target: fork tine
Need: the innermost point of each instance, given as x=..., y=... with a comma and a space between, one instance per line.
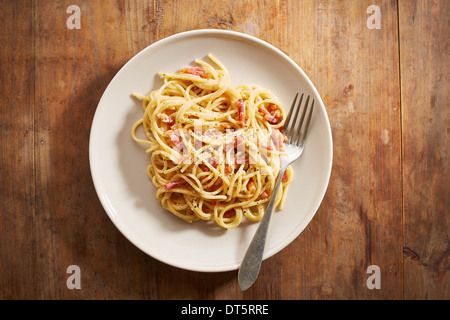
x=288, y=119
x=291, y=125
x=296, y=136
x=250, y=266
x=302, y=137
x=298, y=132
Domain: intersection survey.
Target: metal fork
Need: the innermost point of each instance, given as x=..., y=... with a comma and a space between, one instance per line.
x=296, y=136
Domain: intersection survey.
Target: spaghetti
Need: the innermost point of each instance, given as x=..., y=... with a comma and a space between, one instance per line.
x=215, y=150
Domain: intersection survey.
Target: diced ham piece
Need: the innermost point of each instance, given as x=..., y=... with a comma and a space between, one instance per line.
x=264, y=195
x=266, y=145
x=241, y=110
x=165, y=118
x=274, y=111
x=272, y=115
x=251, y=186
x=278, y=139
x=196, y=71
x=214, y=162
x=285, y=177
x=169, y=186
x=229, y=213
x=228, y=169
x=174, y=136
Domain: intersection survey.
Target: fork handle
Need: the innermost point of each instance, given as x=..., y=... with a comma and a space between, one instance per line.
x=249, y=269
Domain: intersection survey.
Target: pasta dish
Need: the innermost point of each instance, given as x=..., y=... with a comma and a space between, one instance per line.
x=214, y=149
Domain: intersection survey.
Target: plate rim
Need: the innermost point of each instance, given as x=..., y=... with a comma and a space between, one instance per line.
x=108, y=208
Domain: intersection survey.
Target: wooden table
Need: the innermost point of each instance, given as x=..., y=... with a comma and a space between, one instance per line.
x=383, y=76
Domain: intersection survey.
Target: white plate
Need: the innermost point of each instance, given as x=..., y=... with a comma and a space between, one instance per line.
x=118, y=164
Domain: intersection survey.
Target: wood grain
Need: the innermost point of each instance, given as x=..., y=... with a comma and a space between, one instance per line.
x=356, y=71
x=425, y=61
x=386, y=94
x=17, y=167
x=73, y=68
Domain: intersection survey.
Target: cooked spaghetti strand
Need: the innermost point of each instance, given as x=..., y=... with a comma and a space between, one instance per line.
x=215, y=150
